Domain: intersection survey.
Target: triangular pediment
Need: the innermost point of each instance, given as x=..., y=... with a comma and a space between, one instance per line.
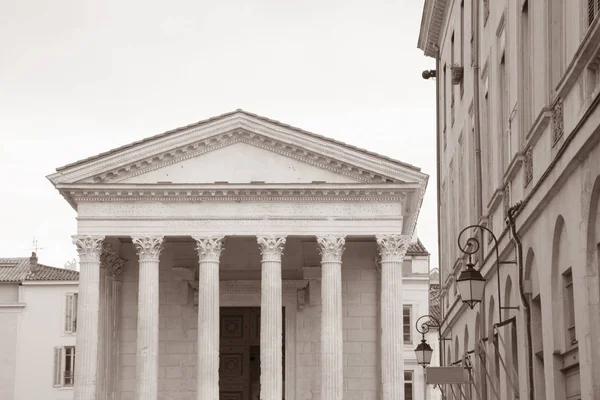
x=237, y=148
x=238, y=162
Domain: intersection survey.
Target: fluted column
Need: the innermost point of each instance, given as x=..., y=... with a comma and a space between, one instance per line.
x=148, y=250
x=332, y=341
x=392, y=249
x=271, y=369
x=86, y=356
x=209, y=251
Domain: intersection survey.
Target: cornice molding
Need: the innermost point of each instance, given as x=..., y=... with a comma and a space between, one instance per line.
x=144, y=157
x=220, y=193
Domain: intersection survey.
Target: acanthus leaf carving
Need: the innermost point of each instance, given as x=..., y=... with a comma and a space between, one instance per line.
x=271, y=247
x=89, y=248
x=209, y=248
x=111, y=260
x=148, y=247
x=331, y=248
x=392, y=248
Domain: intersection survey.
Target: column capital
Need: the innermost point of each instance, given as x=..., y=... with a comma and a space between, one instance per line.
x=331, y=248
x=271, y=247
x=89, y=248
x=392, y=247
x=148, y=247
x=209, y=247
x=111, y=260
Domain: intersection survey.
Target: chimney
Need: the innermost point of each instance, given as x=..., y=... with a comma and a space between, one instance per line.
x=33, y=262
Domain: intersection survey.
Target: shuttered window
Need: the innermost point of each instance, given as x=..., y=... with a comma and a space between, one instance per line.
x=407, y=324
x=71, y=313
x=64, y=366
x=408, y=385
x=57, y=367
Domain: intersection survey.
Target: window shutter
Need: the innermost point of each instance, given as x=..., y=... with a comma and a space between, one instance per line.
x=74, y=312
x=69, y=313
x=57, y=367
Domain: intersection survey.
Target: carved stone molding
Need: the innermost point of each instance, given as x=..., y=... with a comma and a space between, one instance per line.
x=392, y=247
x=506, y=199
x=558, y=124
x=331, y=248
x=209, y=248
x=271, y=247
x=528, y=166
x=216, y=142
x=149, y=247
x=111, y=260
x=89, y=248
x=234, y=193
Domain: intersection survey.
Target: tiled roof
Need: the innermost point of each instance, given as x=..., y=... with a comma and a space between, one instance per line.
x=18, y=270
x=222, y=116
x=417, y=249
x=46, y=273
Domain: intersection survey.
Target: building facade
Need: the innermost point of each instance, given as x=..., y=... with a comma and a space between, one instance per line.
x=37, y=330
x=241, y=258
x=518, y=86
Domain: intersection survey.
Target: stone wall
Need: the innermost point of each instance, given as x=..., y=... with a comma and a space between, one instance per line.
x=178, y=321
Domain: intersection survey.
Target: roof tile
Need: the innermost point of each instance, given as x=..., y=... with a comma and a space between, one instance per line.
x=18, y=270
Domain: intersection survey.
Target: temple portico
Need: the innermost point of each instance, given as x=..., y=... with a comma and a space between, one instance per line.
x=287, y=284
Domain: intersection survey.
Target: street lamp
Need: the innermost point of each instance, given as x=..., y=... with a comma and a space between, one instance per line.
x=423, y=350
x=470, y=282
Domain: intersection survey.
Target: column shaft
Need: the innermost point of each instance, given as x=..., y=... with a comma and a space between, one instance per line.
x=392, y=249
x=209, y=250
x=271, y=368
x=148, y=249
x=332, y=342
x=86, y=354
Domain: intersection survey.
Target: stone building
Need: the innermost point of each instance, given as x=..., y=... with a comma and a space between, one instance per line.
x=38, y=322
x=240, y=257
x=518, y=86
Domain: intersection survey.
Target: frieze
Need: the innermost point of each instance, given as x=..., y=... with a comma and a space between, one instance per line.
x=237, y=195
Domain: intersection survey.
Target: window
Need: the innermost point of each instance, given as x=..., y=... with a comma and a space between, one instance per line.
x=71, y=313
x=593, y=10
x=452, y=66
x=408, y=385
x=64, y=366
x=486, y=11
x=444, y=88
x=407, y=325
x=569, y=307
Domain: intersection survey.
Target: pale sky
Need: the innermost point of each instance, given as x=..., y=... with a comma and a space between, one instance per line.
x=79, y=77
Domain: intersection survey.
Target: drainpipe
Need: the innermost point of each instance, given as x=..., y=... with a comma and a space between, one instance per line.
x=476, y=112
x=514, y=236
x=438, y=172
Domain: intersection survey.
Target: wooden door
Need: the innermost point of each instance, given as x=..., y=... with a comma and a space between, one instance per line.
x=239, y=367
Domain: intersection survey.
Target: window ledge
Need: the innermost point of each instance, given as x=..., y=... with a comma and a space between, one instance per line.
x=582, y=56
x=538, y=126
x=496, y=199
x=514, y=167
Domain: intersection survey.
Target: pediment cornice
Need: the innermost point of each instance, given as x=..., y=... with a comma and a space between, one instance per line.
x=145, y=157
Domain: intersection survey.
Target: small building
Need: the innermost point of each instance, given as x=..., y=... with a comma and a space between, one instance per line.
x=38, y=321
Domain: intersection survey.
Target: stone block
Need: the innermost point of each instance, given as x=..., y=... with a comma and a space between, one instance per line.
x=361, y=359
x=362, y=335
x=351, y=323
x=361, y=311
x=361, y=287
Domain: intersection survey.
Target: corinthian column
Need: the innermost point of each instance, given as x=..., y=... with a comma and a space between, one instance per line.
x=86, y=356
x=209, y=251
x=332, y=342
x=271, y=370
x=392, y=249
x=148, y=250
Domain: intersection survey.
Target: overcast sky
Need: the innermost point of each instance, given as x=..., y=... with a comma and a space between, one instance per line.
x=81, y=77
